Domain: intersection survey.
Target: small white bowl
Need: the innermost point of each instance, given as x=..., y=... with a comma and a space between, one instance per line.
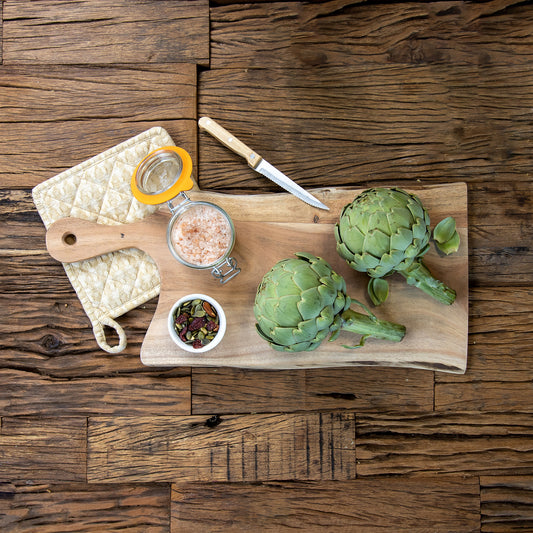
x=221, y=326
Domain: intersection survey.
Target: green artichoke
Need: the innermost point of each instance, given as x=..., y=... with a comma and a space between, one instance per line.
x=385, y=231
x=302, y=300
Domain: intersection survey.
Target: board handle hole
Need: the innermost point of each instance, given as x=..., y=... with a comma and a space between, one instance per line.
x=69, y=238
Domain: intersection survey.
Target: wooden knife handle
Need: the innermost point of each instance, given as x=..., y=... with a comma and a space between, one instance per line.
x=229, y=140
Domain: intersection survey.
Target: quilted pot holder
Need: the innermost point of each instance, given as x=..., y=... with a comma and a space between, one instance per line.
x=99, y=190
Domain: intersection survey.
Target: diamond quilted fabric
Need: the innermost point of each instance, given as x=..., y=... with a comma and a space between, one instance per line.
x=99, y=190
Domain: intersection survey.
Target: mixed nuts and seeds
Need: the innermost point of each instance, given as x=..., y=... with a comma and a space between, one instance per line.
x=196, y=322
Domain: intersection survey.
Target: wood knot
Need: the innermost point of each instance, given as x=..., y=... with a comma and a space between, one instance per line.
x=213, y=421
x=51, y=343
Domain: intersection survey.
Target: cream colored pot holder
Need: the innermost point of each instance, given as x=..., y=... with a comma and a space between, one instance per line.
x=99, y=190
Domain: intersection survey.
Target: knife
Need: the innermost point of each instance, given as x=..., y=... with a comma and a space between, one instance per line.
x=257, y=162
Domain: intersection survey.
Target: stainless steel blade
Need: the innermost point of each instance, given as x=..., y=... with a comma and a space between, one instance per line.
x=272, y=173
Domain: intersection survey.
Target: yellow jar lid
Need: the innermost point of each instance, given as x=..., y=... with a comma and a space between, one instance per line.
x=162, y=175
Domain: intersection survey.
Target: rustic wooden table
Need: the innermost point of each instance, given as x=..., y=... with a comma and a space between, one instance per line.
x=338, y=93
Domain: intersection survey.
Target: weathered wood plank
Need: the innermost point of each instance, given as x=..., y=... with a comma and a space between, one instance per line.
x=106, y=31
x=500, y=234
x=394, y=504
x=499, y=374
x=50, y=360
x=25, y=391
x=43, y=449
x=506, y=503
x=229, y=448
x=273, y=35
x=81, y=507
x=220, y=390
x=1, y=31
x=57, y=116
x=357, y=124
x=469, y=443
x=56, y=93
x=52, y=336
x=486, y=396
x=370, y=124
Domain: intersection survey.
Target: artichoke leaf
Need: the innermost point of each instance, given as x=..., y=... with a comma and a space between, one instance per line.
x=310, y=303
x=450, y=246
x=420, y=230
x=321, y=268
x=328, y=293
x=302, y=280
x=285, y=285
x=284, y=335
x=353, y=237
x=307, y=330
x=377, y=243
x=262, y=334
x=444, y=230
x=344, y=252
x=368, y=260
x=286, y=312
x=378, y=290
x=399, y=217
x=325, y=318
x=401, y=239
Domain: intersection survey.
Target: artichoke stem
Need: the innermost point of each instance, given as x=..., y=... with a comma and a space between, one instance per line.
x=420, y=276
x=371, y=326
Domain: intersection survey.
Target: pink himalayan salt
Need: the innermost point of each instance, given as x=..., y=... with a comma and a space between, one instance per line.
x=201, y=235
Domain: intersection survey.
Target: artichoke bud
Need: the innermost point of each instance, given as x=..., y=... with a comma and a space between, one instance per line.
x=383, y=231
x=300, y=302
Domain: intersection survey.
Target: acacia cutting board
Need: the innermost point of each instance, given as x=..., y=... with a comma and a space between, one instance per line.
x=270, y=228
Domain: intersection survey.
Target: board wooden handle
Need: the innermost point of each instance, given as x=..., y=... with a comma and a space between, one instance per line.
x=74, y=239
x=229, y=140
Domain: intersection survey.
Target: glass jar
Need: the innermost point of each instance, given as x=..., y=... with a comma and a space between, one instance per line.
x=200, y=234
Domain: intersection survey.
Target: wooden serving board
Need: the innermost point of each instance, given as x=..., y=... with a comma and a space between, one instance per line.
x=270, y=228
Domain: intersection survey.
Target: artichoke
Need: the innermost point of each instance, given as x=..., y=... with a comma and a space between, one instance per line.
x=301, y=301
x=385, y=231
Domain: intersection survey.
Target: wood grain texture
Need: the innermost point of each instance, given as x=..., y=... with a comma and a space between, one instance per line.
x=41, y=450
x=469, y=443
x=500, y=323
x=1, y=32
x=311, y=446
x=51, y=364
x=506, y=503
x=486, y=396
x=50, y=508
x=370, y=124
x=230, y=390
x=288, y=34
x=403, y=505
x=24, y=391
x=55, y=117
x=436, y=336
x=500, y=235
x=54, y=32
x=356, y=124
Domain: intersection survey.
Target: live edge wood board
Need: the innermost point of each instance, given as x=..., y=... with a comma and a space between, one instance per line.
x=270, y=228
